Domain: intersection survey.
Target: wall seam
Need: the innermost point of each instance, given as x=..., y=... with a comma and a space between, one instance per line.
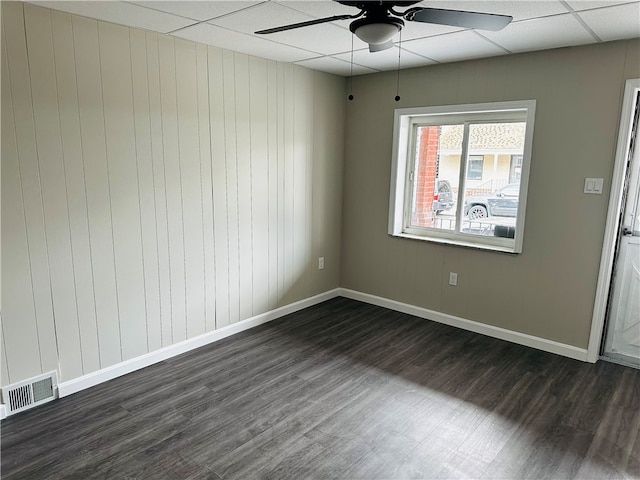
x=86, y=198
x=44, y=223
x=106, y=149
x=213, y=209
x=66, y=195
x=135, y=143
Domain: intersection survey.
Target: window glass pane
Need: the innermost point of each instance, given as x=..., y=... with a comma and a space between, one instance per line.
x=436, y=176
x=475, y=167
x=515, y=171
x=491, y=203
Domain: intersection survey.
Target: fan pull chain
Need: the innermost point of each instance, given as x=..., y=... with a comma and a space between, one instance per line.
x=398, y=78
x=351, y=74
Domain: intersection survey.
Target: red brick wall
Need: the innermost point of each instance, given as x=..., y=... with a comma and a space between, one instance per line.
x=427, y=164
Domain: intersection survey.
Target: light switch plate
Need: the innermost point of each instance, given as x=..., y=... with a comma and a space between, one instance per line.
x=593, y=185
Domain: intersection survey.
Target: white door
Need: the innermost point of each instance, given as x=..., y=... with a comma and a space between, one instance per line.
x=623, y=331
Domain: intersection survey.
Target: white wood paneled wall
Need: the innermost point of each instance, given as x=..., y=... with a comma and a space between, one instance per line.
x=154, y=189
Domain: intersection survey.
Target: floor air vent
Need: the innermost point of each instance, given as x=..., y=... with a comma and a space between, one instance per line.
x=30, y=393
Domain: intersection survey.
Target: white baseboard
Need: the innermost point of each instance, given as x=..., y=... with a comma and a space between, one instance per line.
x=3, y=412
x=489, y=330
x=109, y=373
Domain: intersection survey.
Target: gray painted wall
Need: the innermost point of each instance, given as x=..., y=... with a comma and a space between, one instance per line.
x=154, y=189
x=548, y=290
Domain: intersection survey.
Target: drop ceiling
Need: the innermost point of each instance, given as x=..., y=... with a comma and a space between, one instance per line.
x=537, y=25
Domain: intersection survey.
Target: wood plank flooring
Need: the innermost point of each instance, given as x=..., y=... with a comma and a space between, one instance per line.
x=342, y=390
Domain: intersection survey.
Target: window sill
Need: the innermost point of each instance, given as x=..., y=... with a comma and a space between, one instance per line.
x=458, y=243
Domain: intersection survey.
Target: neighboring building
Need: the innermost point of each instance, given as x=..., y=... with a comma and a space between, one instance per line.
x=495, y=159
x=495, y=155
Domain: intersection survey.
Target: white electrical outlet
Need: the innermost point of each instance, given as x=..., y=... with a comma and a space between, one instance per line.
x=453, y=278
x=320, y=263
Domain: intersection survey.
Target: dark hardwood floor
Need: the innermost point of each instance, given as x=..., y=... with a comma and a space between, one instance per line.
x=342, y=390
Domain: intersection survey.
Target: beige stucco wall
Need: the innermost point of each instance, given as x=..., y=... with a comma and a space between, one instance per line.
x=548, y=290
x=450, y=170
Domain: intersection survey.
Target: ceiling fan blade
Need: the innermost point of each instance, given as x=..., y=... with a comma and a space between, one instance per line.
x=458, y=18
x=306, y=24
x=378, y=47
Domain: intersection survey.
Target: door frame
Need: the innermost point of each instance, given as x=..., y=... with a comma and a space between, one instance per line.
x=612, y=227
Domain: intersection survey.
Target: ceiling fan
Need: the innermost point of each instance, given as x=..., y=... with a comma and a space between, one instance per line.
x=378, y=21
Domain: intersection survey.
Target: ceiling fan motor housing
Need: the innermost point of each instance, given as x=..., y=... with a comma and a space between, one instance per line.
x=376, y=30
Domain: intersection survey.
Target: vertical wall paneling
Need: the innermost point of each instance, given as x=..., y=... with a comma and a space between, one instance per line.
x=272, y=173
x=220, y=192
x=146, y=190
x=231, y=187
x=123, y=185
x=65, y=67
x=190, y=175
x=153, y=189
x=299, y=201
x=245, y=200
x=163, y=285
x=17, y=292
x=288, y=201
x=4, y=364
x=53, y=186
x=280, y=168
x=87, y=55
x=258, y=99
x=173, y=186
x=320, y=107
x=206, y=188
x=311, y=260
x=20, y=85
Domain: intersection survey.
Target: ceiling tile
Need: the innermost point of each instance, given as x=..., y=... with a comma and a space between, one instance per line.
x=126, y=14
x=453, y=47
x=323, y=39
x=538, y=34
x=198, y=10
x=319, y=9
x=386, y=59
x=335, y=66
x=614, y=23
x=259, y=17
x=589, y=4
x=519, y=10
x=413, y=30
x=239, y=42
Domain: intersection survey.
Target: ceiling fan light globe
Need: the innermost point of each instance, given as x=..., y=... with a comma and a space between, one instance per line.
x=376, y=33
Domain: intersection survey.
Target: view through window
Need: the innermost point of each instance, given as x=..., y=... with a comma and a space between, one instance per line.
x=464, y=176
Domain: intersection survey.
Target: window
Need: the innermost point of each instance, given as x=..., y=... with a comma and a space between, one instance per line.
x=460, y=174
x=475, y=165
x=516, y=168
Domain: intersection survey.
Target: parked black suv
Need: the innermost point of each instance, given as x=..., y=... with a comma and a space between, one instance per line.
x=502, y=203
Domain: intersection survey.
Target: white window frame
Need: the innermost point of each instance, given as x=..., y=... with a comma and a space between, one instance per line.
x=405, y=122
